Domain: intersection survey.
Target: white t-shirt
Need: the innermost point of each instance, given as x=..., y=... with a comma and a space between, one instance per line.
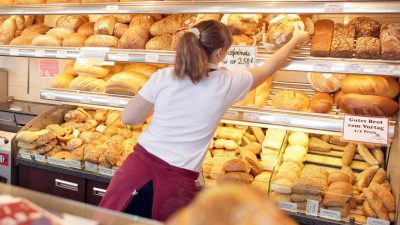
x=186, y=114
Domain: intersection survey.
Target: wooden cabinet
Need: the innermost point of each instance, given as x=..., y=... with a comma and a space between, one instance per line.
x=95, y=191
x=49, y=182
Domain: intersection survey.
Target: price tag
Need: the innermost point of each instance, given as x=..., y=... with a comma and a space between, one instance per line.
x=375, y=221
x=92, y=56
x=122, y=57
x=39, y=52
x=58, y=162
x=151, y=58
x=49, y=67
x=251, y=117
x=366, y=129
x=241, y=56
x=75, y=164
x=106, y=171
x=25, y=155
x=117, y=102
x=86, y=99
x=312, y=207
x=91, y=167
x=112, y=8
x=231, y=115
x=354, y=68
x=288, y=206
x=384, y=69
x=329, y=214
x=40, y=158
x=14, y=52
x=49, y=96
x=323, y=67
x=333, y=7
x=62, y=54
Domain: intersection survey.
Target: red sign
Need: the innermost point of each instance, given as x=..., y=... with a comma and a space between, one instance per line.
x=49, y=68
x=4, y=159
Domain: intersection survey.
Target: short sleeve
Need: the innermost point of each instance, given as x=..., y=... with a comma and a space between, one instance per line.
x=149, y=90
x=242, y=81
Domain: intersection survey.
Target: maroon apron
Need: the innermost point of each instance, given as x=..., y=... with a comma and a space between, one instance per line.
x=173, y=187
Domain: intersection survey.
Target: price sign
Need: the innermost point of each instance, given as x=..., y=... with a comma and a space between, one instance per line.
x=323, y=67
x=333, y=7
x=288, y=206
x=62, y=54
x=86, y=99
x=58, y=162
x=384, y=69
x=112, y=8
x=106, y=171
x=354, y=68
x=40, y=158
x=75, y=164
x=375, y=221
x=231, y=115
x=241, y=56
x=25, y=155
x=91, y=167
x=92, y=56
x=366, y=129
x=39, y=52
x=122, y=57
x=312, y=207
x=151, y=58
x=14, y=52
x=329, y=214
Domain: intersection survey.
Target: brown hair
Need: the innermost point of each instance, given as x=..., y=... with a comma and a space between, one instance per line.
x=192, y=54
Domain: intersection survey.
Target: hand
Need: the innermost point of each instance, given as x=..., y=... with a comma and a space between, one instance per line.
x=299, y=35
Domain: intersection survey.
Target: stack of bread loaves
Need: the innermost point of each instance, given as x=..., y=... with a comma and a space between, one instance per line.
x=338, y=195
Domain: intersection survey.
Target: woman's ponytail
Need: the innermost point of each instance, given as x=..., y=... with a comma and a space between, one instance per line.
x=196, y=47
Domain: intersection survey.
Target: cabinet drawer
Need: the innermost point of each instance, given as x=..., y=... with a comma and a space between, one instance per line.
x=95, y=191
x=52, y=183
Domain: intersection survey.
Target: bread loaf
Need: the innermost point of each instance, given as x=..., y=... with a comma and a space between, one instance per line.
x=342, y=47
x=135, y=37
x=325, y=82
x=29, y=2
x=371, y=85
x=379, y=156
x=98, y=1
x=321, y=41
x=20, y=24
x=74, y=40
x=7, y=31
x=341, y=30
x=71, y=22
x=368, y=48
x=338, y=194
x=39, y=28
x=162, y=42
x=168, y=25
x=368, y=105
x=321, y=103
x=366, y=27
x=144, y=21
x=69, y=68
x=384, y=195
x=87, y=84
x=263, y=92
x=24, y=39
x=366, y=155
x=379, y=177
x=125, y=83
x=338, y=176
x=123, y=18
x=307, y=185
x=291, y=100
x=62, y=80
x=236, y=165
x=376, y=204
x=87, y=29
x=120, y=29
x=390, y=41
x=63, y=1
x=46, y=40
x=280, y=29
x=368, y=211
x=105, y=25
x=144, y=68
x=99, y=40
x=91, y=70
x=28, y=21
x=60, y=32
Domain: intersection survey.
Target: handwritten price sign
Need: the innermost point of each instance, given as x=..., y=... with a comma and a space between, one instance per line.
x=241, y=56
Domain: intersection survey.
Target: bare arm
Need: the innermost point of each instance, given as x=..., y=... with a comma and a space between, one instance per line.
x=277, y=60
x=137, y=111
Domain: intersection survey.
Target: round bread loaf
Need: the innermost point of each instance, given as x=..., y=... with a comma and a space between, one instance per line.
x=135, y=37
x=123, y=18
x=325, y=82
x=321, y=103
x=7, y=31
x=371, y=85
x=60, y=32
x=20, y=22
x=71, y=22
x=74, y=40
x=46, y=40
x=105, y=25
x=291, y=100
x=87, y=29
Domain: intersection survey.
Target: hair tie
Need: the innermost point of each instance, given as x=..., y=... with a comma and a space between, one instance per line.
x=196, y=32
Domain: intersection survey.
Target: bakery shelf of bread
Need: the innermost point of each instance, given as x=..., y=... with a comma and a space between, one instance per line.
x=200, y=6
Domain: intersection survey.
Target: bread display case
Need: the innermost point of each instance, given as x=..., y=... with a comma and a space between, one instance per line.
x=283, y=138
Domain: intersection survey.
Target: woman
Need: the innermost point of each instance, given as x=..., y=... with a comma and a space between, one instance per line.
x=188, y=101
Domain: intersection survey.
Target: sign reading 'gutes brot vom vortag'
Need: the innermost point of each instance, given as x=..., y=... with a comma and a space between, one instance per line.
x=241, y=56
x=366, y=129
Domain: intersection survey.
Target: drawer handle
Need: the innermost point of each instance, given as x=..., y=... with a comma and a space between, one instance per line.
x=66, y=185
x=99, y=192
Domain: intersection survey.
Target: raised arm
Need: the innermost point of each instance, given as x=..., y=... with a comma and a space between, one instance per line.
x=137, y=110
x=278, y=59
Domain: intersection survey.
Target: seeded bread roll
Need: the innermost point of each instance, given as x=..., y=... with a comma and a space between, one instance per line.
x=162, y=42
x=321, y=103
x=368, y=48
x=46, y=40
x=135, y=37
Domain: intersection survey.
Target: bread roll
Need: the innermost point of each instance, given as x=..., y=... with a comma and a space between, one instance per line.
x=71, y=22
x=162, y=42
x=366, y=155
x=24, y=39
x=7, y=31
x=29, y=2
x=365, y=177
x=105, y=25
x=135, y=37
x=62, y=80
x=87, y=29
x=236, y=165
x=36, y=28
x=283, y=186
x=379, y=156
x=338, y=194
x=120, y=29
x=144, y=21
x=99, y=40
x=348, y=154
x=386, y=197
x=46, y=40
x=168, y=25
x=291, y=100
x=69, y=68
x=379, y=177
x=338, y=176
x=371, y=85
x=123, y=18
x=125, y=83
x=74, y=40
x=91, y=70
x=325, y=82
x=87, y=84
x=376, y=204
x=6, y=2
x=307, y=185
x=60, y=32
x=20, y=23
x=368, y=105
x=321, y=103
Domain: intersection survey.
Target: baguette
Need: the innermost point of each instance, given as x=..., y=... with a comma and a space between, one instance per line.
x=386, y=197
x=348, y=154
x=376, y=204
x=365, y=177
x=366, y=155
x=91, y=70
x=24, y=40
